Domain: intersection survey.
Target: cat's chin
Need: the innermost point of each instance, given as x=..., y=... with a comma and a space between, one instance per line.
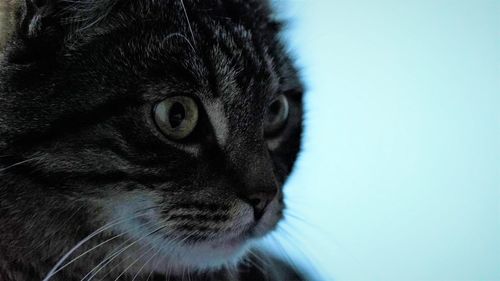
x=200, y=257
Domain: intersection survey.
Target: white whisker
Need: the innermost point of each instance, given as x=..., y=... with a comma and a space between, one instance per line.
x=105, y=262
x=289, y=214
x=280, y=247
x=97, y=246
x=154, y=266
x=188, y=21
x=56, y=231
x=20, y=163
x=183, y=37
x=146, y=263
x=134, y=262
x=259, y=263
x=88, y=251
x=126, y=258
x=83, y=241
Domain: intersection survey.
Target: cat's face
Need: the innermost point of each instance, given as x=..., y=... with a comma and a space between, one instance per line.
x=177, y=141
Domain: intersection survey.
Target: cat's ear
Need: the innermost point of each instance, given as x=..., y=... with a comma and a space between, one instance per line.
x=37, y=18
x=38, y=33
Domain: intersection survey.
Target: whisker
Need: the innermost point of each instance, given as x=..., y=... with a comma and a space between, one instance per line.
x=105, y=262
x=232, y=271
x=97, y=246
x=183, y=37
x=177, y=243
x=145, y=263
x=55, y=232
x=134, y=262
x=259, y=263
x=167, y=272
x=83, y=241
x=291, y=215
x=88, y=251
x=120, y=249
x=144, y=246
x=183, y=273
x=312, y=259
x=20, y=163
x=291, y=241
x=154, y=267
x=189, y=235
x=188, y=21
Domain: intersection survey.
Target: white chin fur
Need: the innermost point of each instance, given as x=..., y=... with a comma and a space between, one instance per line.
x=197, y=258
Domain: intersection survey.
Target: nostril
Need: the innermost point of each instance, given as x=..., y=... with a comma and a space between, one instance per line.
x=259, y=202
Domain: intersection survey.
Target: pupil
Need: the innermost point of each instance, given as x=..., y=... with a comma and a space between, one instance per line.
x=275, y=107
x=176, y=115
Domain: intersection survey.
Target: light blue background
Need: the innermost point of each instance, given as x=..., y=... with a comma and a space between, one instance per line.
x=399, y=178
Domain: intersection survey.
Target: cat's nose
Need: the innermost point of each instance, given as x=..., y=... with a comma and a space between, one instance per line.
x=259, y=202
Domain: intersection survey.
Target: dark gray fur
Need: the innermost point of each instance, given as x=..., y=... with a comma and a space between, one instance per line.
x=78, y=80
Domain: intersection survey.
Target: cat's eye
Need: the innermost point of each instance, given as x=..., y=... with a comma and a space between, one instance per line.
x=276, y=116
x=176, y=116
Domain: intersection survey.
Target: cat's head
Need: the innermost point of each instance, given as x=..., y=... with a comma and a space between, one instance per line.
x=173, y=124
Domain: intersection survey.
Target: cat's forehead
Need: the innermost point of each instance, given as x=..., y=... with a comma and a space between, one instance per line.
x=215, y=49
x=226, y=66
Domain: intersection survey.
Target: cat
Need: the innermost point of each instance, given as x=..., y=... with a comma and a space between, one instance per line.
x=144, y=139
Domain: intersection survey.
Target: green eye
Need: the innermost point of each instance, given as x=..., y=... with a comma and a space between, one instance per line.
x=176, y=116
x=277, y=115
